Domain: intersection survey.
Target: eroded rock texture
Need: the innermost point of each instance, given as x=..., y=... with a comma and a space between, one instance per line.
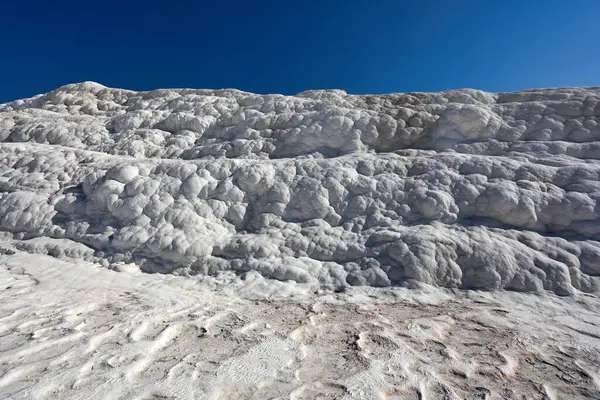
x=461, y=189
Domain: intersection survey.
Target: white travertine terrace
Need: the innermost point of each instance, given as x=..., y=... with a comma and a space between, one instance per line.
x=458, y=189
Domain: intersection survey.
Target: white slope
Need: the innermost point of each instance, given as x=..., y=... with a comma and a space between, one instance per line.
x=459, y=189
x=307, y=247
x=73, y=330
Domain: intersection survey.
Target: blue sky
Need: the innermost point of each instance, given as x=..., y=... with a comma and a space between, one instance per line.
x=286, y=46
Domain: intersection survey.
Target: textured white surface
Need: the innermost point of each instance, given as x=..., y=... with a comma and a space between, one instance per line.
x=73, y=330
x=264, y=197
x=460, y=189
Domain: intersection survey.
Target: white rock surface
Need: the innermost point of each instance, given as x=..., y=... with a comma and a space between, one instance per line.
x=459, y=189
x=299, y=218
x=74, y=330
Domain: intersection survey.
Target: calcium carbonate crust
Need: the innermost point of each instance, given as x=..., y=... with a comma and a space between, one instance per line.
x=459, y=189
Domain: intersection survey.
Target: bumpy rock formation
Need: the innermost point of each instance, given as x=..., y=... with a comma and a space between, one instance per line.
x=461, y=189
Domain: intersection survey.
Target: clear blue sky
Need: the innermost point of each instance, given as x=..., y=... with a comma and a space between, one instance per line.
x=286, y=46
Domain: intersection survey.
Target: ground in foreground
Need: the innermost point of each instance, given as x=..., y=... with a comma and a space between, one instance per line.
x=76, y=330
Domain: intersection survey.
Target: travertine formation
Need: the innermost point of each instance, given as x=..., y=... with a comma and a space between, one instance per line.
x=460, y=189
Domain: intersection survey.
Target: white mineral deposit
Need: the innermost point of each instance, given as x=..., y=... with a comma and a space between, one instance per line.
x=218, y=244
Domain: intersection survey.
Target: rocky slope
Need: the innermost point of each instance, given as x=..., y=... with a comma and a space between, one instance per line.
x=459, y=189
